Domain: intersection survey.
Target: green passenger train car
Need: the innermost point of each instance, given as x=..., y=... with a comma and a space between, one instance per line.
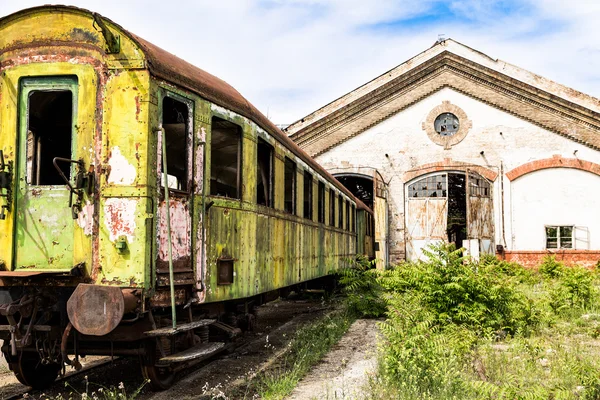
x=145, y=205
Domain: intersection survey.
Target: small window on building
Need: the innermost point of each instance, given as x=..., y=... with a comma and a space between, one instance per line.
x=290, y=186
x=559, y=237
x=264, y=173
x=49, y=124
x=340, y=212
x=175, y=122
x=226, y=159
x=479, y=187
x=331, y=207
x=308, y=195
x=321, y=205
x=446, y=124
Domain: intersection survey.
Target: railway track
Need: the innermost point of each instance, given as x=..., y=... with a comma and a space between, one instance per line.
x=272, y=318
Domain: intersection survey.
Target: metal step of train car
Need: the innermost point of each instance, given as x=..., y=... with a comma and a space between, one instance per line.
x=145, y=205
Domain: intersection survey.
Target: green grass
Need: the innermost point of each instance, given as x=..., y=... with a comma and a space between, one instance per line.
x=307, y=347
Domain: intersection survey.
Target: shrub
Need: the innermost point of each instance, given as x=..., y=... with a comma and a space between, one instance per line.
x=550, y=268
x=574, y=289
x=360, y=283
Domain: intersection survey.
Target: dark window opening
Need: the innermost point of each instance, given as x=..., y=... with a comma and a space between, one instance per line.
x=348, y=215
x=308, y=195
x=559, y=237
x=457, y=208
x=431, y=186
x=340, y=212
x=353, y=222
x=175, y=122
x=321, y=205
x=49, y=124
x=264, y=173
x=290, y=186
x=360, y=187
x=226, y=159
x=331, y=207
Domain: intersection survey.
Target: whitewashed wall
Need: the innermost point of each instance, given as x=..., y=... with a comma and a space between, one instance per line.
x=557, y=196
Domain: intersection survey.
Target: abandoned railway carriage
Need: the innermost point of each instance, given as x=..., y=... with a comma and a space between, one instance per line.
x=95, y=123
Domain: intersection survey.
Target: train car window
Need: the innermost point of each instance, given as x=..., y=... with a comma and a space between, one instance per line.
x=175, y=122
x=321, y=205
x=353, y=216
x=348, y=215
x=290, y=186
x=264, y=173
x=49, y=122
x=340, y=212
x=331, y=207
x=308, y=195
x=225, y=158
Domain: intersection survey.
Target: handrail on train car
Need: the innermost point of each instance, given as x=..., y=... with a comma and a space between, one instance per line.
x=161, y=134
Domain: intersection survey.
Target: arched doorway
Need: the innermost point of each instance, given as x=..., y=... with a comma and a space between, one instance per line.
x=449, y=206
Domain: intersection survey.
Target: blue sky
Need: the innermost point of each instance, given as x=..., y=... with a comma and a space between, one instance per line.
x=292, y=57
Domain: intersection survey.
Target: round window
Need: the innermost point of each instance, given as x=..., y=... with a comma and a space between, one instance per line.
x=446, y=124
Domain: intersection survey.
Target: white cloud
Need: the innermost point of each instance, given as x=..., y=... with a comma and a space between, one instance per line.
x=292, y=57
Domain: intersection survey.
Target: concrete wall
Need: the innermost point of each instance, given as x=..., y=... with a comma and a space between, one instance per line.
x=400, y=147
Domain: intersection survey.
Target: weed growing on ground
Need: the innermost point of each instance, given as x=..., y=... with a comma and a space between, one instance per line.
x=307, y=347
x=458, y=329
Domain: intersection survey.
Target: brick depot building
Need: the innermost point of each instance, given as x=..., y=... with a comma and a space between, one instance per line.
x=453, y=145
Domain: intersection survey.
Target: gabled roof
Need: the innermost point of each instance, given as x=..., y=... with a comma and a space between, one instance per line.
x=451, y=64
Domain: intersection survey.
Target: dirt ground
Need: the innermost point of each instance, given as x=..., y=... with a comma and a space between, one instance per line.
x=344, y=373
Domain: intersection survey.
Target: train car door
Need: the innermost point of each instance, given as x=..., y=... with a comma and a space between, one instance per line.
x=480, y=217
x=177, y=123
x=46, y=163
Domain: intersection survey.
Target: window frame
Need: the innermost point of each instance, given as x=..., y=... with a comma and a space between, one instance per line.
x=332, y=218
x=188, y=139
x=271, y=180
x=321, y=202
x=308, y=202
x=559, y=237
x=240, y=159
x=294, y=182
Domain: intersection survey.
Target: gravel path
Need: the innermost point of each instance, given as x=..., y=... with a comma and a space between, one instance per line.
x=344, y=372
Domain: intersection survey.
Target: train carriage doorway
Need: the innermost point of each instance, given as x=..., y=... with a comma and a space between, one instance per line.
x=44, y=223
x=177, y=124
x=451, y=207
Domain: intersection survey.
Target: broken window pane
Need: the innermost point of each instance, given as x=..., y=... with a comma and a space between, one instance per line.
x=49, y=124
x=290, y=186
x=226, y=159
x=340, y=212
x=431, y=186
x=264, y=173
x=175, y=121
x=331, y=207
x=308, y=190
x=321, y=205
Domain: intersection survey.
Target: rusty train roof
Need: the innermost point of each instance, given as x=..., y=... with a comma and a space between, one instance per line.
x=169, y=67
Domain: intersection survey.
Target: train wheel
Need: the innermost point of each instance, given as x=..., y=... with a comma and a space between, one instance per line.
x=159, y=377
x=30, y=371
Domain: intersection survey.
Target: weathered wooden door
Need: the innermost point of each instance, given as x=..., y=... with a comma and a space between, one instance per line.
x=381, y=220
x=47, y=130
x=480, y=214
x=426, y=214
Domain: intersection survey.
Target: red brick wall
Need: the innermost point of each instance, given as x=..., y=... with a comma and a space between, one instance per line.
x=585, y=258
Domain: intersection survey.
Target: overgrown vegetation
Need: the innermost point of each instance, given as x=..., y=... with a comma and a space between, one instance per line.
x=306, y=348
x=457, y=329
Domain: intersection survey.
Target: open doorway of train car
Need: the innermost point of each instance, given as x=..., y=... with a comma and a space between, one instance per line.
x=452, y=207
